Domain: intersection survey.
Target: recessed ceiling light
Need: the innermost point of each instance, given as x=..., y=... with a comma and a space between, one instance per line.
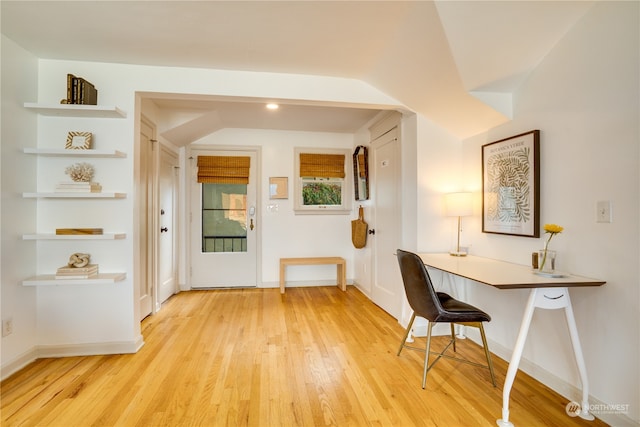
x=272, y=106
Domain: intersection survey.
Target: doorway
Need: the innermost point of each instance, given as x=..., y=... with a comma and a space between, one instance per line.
x=158, y=196
x=167, y=247
x=224, y=218
x=146, y=218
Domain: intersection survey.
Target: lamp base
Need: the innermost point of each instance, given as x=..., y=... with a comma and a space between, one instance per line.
x=457, y=253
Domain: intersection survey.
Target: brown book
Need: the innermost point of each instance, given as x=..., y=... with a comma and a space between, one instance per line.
x=67, y=231
x=74, y=90
x=70, y=78
x=88, y=93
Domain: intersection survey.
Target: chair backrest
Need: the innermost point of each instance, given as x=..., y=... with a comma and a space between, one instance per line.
x=421, y=295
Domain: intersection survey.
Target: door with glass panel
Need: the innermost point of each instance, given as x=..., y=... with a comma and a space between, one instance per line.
x=224, y=220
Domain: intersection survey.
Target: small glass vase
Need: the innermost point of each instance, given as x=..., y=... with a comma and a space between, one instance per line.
x=546, y=261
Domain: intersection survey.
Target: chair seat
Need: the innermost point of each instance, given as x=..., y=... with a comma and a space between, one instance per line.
x=457, y=311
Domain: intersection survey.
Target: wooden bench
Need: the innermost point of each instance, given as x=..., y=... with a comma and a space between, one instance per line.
x=340, y=263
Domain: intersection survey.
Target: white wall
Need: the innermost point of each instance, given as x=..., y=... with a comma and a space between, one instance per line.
x=362, y=258
x=439, y=172
x=18, y=216
x=584, y=99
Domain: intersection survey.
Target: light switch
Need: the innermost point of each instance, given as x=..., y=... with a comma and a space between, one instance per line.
x=604, y=213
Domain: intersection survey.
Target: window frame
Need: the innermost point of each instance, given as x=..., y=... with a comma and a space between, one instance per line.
x=347, y=183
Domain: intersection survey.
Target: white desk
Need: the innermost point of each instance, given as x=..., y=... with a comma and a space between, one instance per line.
x=546, y=292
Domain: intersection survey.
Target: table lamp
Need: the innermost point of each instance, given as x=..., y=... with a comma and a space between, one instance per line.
x=458, y=204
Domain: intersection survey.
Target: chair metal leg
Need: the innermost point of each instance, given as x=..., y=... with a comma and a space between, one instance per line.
x=404, y=340
x=487, y=354
x=441, y=354
x=453, y=336
x=426, y=356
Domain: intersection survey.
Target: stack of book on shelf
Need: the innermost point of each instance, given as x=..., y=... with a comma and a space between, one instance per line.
x=78, y=231
x=78, y=187
x=87, y=272
x=80, y=91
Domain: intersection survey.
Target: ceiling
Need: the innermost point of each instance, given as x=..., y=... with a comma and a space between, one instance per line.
x=455, y=62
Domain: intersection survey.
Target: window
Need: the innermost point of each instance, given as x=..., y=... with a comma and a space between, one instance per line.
x=224, y=182
x=224, y=217
x=321, y=184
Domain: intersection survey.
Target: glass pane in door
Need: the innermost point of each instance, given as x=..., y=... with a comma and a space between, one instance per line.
x=224, y=217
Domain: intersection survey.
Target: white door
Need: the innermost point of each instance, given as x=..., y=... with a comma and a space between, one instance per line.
x=167, y=265
x=224, y=228
x=387, y=283
x=146, y=219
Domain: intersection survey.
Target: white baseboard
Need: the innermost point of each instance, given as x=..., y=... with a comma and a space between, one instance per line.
x=18, y=363
x=88, y=349
x=302, y=284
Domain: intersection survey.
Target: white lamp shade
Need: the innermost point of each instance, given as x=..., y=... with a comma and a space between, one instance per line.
x=458, y=204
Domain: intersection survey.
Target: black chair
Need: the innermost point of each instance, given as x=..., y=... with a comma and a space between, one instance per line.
x=437, y=307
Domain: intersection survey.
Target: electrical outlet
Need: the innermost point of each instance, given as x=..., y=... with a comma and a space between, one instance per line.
x=7, y=326
x=604, y=211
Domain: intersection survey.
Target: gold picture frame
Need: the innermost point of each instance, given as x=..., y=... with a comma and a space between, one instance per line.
x=279, y=187
x=79, y=141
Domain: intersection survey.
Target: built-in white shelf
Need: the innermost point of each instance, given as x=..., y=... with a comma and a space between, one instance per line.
x=76, y=110
x=63, y=152
x=56, y=195
x=52, y=236
x=50, y=280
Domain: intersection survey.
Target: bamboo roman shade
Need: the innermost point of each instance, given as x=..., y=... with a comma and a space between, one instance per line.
x=322, y=165
x=223, y=169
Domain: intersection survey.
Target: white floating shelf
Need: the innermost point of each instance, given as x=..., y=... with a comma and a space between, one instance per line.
x=63, y=152
x=76, y=110
x=50, y=280
x=51, y=236
x=74, y=195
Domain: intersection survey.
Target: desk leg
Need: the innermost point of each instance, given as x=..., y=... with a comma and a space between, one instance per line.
x=515, y=359
x=462, y=331
x=582, y=369
x=551, y=299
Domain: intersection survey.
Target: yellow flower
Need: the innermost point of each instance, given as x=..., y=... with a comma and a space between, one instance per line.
x=553, y=228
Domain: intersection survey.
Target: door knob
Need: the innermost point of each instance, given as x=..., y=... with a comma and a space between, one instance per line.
x=164, y=229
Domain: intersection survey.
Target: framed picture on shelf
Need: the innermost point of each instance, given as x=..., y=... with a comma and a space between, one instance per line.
x=79, y=141
x=511, y=185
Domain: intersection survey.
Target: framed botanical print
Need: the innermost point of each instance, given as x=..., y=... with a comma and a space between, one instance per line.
x=511, y=185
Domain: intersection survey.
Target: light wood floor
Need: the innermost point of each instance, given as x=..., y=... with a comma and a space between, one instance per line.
x=311, y=357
